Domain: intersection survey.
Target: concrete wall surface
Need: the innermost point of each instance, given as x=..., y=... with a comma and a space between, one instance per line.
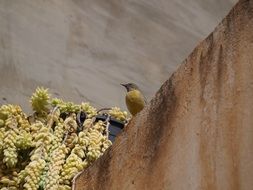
x=83, y=49
x=197, y=133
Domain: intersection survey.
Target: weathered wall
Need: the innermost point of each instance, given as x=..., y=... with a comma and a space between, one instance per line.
x=81, y=49
x=197, y=133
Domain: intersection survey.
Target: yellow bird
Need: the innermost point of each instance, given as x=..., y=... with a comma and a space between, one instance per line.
x=135, y=100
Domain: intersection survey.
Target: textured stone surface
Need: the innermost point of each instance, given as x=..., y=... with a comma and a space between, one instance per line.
x=84, y=48
x=197, y=133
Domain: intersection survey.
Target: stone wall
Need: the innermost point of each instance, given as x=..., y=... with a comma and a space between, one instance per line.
x=197, y=133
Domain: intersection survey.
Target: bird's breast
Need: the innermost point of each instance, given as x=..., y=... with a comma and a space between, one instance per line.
x=135, y=101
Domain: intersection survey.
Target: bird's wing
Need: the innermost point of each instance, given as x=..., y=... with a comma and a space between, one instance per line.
x=145, y=99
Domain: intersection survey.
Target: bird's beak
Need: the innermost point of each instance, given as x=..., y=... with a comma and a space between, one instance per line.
x=123, y=85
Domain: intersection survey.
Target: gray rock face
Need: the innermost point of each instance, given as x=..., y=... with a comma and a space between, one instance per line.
x=82, y=50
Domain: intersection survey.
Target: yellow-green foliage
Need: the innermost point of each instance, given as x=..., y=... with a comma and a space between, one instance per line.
x=7, y=110
x=10, y=154
x=68, y=107
x=118, y=114
x=2, y=130
x=88, y=109
x=33, y=173
x=55, y=166
x=40, y=100
x=46, y=150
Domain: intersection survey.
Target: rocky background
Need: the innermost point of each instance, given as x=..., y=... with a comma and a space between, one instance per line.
x=83, y=49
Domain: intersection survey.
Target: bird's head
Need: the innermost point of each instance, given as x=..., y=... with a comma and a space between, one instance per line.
x=130, y=86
